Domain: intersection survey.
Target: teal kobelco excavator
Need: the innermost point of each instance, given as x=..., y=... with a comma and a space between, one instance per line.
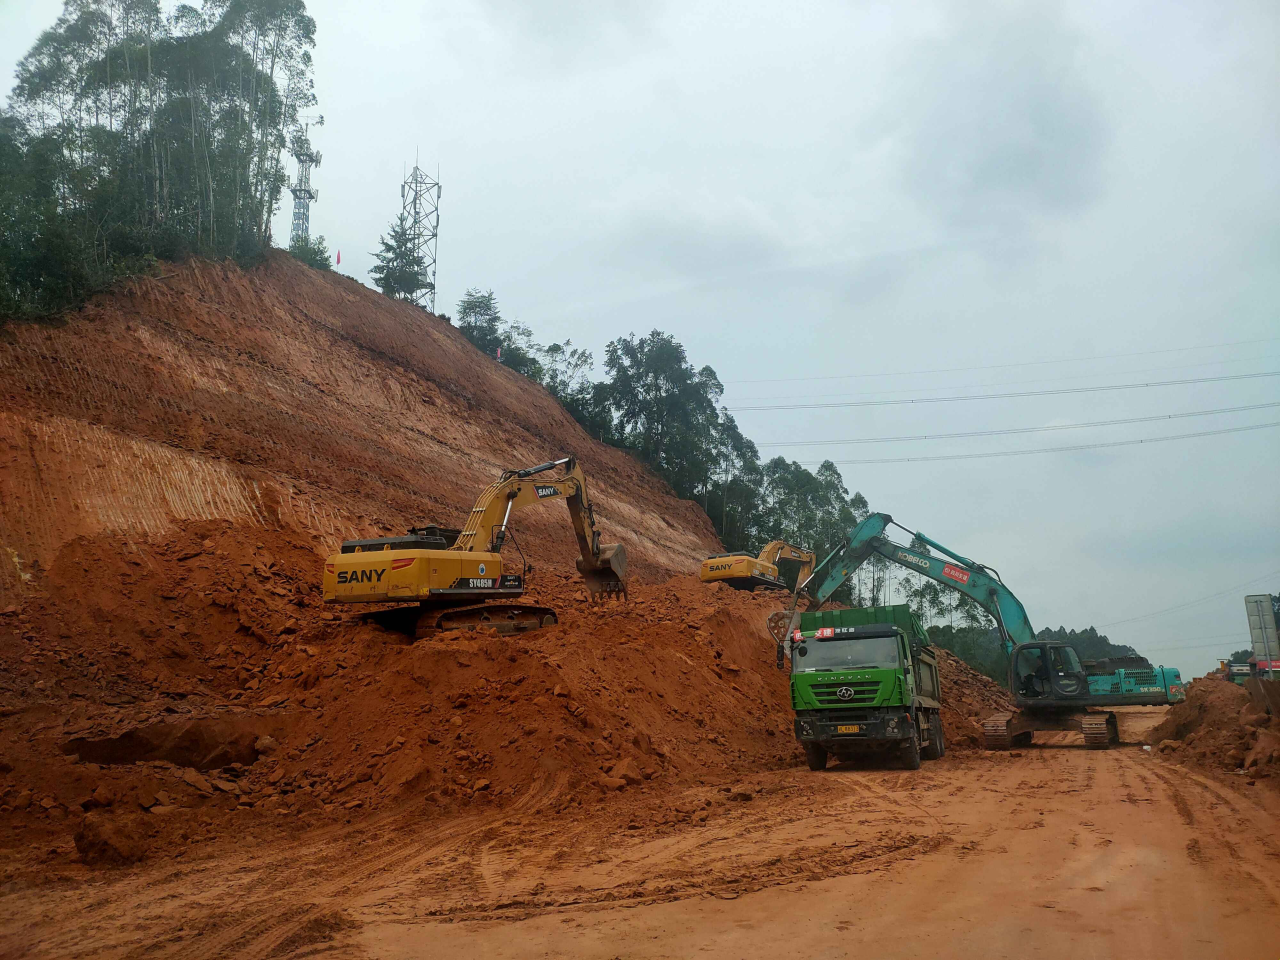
x=1050, y=686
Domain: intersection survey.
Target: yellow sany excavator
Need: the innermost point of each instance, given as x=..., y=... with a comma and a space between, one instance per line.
x=742, y=571
x=458, y=578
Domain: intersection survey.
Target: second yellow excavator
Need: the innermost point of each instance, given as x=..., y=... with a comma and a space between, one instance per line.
x=458, y=578
x=742, y=571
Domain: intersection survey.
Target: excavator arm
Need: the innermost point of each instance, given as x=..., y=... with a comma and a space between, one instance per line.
x=974, y=580
x=781, y=550
x=603, y=566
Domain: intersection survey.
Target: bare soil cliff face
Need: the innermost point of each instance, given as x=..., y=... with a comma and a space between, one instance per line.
x=176, y=459
x=286, y=399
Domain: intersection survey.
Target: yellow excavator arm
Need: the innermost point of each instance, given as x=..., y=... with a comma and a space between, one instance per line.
x=462, y=572
x=781, y=550
x=604, y=567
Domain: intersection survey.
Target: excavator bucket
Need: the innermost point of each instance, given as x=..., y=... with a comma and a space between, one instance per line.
x=606, y=577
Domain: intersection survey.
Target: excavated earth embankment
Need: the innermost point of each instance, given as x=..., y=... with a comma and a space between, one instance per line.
x=176, y=459
x=1220, y=727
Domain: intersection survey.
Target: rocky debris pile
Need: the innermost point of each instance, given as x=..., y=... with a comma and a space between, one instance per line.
x=1219, y=726
x=344, y=716
x=968, y=698
x=249, y=729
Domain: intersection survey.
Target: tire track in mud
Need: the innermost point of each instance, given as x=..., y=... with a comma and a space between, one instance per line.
x=702, y=868
x=798, y=866
x=1211, y=845
x=263, y=926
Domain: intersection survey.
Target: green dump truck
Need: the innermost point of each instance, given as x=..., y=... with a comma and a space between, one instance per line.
x=865, y=682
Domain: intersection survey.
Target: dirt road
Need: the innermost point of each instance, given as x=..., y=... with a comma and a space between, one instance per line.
x=1069, y=851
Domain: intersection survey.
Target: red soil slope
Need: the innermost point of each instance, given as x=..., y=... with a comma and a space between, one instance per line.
x=175, y=460
x=287, y=399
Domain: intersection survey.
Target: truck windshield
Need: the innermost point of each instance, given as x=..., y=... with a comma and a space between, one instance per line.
x=813, y=655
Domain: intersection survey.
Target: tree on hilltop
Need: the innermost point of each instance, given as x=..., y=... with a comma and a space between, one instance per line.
x=509, y=342
x=313, y=251
x=400, y=272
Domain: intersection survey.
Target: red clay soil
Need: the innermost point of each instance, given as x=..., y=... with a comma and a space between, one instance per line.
x=286, y=399
x=1218, y=727
x=967, y=698
x=176, y=459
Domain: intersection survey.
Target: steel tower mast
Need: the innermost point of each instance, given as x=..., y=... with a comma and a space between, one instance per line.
x=420, y=197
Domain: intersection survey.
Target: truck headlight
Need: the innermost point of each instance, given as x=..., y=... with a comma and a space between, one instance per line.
x=892, y=725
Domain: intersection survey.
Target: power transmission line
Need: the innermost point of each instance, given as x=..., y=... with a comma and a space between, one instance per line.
x=1001, y=366
x=1014, y=383
x=1220, y=636
x=1082, y=446
x=1192, y=603
x=1003, y=396
x=1000, y=433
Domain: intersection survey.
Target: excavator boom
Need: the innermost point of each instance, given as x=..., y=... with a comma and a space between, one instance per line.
x=974, y=580
x=603, y=566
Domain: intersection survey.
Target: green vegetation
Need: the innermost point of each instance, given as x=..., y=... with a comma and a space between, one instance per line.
x=400, y=272
x=314, y=252
x=131, y=135
x=507, y=341
x=1241, y=656
x=656, y=404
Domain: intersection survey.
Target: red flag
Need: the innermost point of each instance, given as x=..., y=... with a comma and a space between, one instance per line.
x=499, y=354
x=339, y=256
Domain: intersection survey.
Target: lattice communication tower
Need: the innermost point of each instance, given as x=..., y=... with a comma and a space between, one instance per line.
x=420, y=196
x=303, y=195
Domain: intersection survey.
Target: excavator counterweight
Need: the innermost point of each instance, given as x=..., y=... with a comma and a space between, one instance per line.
x=459, y=578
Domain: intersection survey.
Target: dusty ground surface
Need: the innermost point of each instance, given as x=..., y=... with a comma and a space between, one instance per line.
x=1078, y=852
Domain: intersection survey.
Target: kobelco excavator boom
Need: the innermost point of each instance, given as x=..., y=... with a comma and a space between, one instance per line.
x=1049, y=684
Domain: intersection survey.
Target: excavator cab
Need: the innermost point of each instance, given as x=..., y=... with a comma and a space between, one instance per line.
x=1046, y=672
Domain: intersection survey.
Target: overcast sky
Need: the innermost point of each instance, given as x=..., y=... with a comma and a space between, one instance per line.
x=826, y=201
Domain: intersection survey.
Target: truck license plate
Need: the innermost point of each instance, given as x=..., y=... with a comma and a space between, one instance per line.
x=849, y=728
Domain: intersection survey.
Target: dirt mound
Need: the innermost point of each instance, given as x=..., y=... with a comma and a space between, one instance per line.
x=176, y=459
x=113, y=841
x=1218, y=726
x=968, y=697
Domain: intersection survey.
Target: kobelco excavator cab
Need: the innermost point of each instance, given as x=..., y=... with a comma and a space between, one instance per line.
x=1046, y=671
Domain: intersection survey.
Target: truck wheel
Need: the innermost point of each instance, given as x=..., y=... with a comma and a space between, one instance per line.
x=942, y=739
x=911, y=751
x=816, y=754
x=933, y=749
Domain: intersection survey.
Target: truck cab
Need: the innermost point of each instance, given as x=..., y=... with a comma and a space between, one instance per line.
x=1238, y=673
x=864, y=681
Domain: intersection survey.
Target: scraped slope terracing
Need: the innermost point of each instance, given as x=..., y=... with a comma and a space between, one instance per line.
x=285, y=398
